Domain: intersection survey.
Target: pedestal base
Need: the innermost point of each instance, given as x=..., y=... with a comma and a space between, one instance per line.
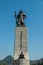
x=21, y=62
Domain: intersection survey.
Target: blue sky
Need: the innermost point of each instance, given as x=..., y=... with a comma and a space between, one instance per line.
x=34, y=22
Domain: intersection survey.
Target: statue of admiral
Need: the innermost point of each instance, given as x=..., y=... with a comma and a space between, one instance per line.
x=20, y=18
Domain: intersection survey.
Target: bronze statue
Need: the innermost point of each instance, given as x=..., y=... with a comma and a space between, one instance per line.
x=20, y=18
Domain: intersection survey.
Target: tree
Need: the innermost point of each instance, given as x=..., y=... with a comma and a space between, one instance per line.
x=41, y=63
x=34, y=64
x=0, y=64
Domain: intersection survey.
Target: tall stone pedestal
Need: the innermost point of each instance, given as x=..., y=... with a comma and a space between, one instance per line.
x=21, y=42
x=21, y=45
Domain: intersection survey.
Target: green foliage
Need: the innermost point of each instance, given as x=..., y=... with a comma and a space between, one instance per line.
x=4, y=64
x=0, y=64
x=33, y=64
x=38, y=63
x=41, y=63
